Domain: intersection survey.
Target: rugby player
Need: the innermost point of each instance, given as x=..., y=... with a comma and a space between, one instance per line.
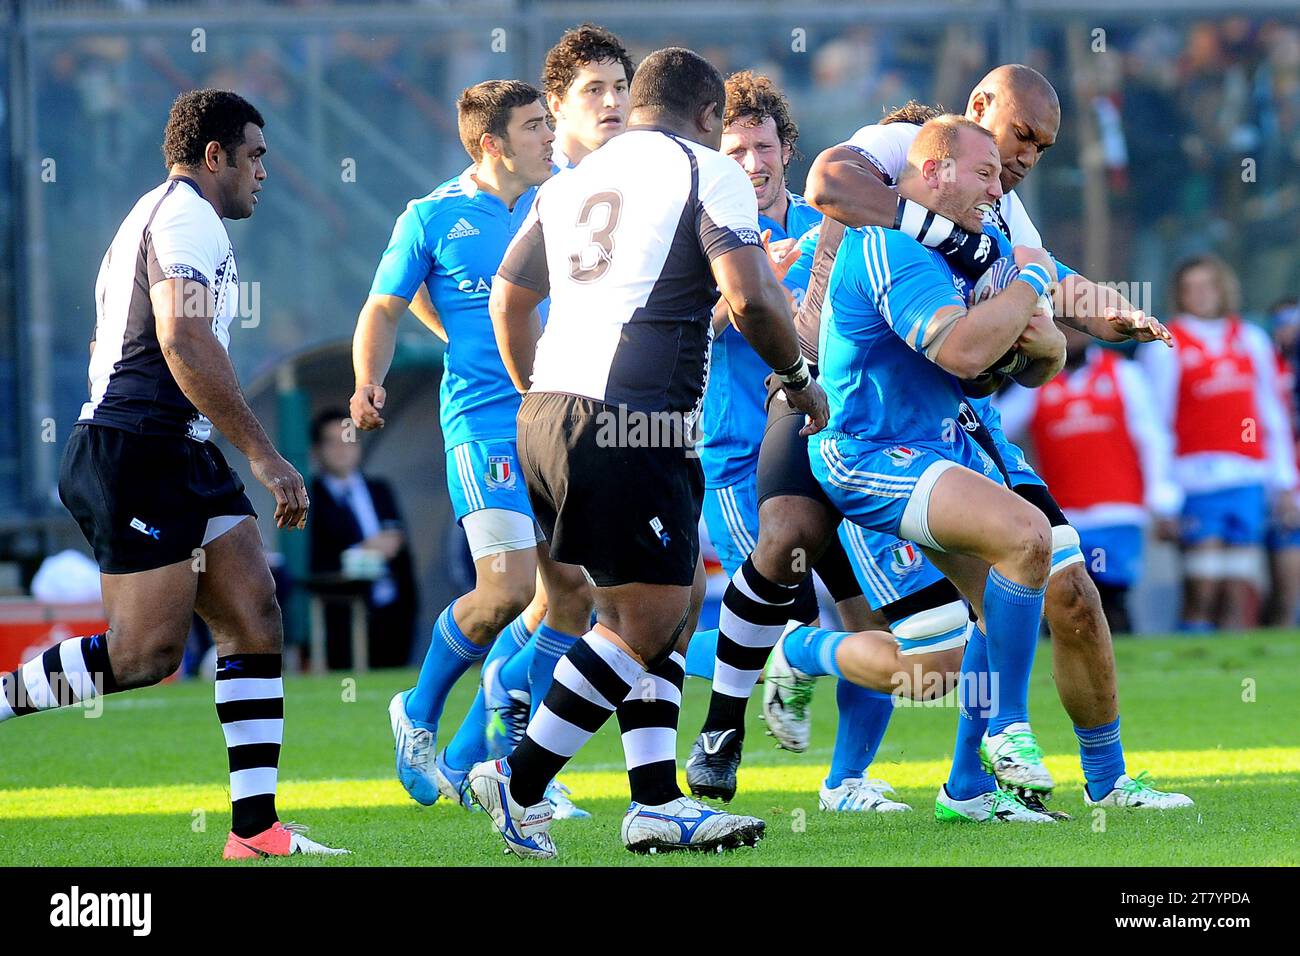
x=172, y=530
x=896, y=339
x=451, y=242
x=585, y=77
x=1020, y=108
x=760, y=134
x=664, y=222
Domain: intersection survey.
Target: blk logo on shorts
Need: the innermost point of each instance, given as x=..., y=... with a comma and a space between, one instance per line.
x=143, y=528
x=657, y=526
x=501, y=472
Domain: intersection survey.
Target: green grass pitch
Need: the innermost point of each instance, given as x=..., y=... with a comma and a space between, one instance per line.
x=145, y=783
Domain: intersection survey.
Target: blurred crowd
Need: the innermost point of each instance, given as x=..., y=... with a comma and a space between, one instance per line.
x=1194, y=446
x=1191, y=123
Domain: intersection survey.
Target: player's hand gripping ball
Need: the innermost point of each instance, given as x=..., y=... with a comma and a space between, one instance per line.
x=996, y=278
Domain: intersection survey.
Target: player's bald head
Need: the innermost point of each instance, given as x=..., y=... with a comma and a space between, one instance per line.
x=1020, y=108
x=1019, y=82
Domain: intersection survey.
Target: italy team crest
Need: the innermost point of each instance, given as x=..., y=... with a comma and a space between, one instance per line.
x=904, y=558
x=900, y=455
x=501, y=472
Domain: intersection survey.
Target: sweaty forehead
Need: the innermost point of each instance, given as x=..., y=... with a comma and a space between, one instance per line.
x=745, y=131
x=527, y=113
x=1042, y=116
x=599, y=71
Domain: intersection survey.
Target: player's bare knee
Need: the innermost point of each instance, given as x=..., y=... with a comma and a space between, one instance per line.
x=1029, y=551
x=140, y=660
x=1073, y=607
x=783, y=552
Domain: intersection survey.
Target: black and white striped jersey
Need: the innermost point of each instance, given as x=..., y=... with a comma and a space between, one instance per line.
x=172, y=232
x=622, y=242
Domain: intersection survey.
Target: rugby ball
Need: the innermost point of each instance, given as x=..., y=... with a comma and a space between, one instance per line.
x=996, y=278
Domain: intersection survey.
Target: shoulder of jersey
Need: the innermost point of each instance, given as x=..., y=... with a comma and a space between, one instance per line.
x=444, y=197
x=181, y=206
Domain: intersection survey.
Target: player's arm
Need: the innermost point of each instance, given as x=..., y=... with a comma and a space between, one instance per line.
x=183, y=311
x=422, y=308
x=1102, y=312
x=517, y=326
x=983, y=334
x=1044, y=345
x=845, y=185
x=373, y=345
x=760, y=310
x=399, y=278
x=521, y=283
x=783, y=253
x=850, y=183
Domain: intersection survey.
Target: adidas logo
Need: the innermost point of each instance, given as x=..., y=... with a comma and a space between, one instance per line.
x=462, y=229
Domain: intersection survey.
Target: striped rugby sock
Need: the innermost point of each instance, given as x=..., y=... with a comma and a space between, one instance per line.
x=250, y=706
x=590, y=680
x=647, y=719
x=70, y=672
x=754, y=613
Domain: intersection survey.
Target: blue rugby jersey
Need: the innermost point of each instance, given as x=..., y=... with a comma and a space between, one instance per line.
x=453, y=240
x=733, y=419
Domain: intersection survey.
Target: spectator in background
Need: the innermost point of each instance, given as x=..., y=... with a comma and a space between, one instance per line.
x=350, y=510
x=1284, y=539
x=1233, y=453
x=1105, y=456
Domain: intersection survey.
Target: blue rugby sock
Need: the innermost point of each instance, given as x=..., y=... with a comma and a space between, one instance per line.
x=701, y=654
x=514, y=672
x=967, y=778
x=469, y=745
x=450, y=654
x=1102, y=756
x=864, y=717
x=549, y=645
x=1012, y=613
x=812, y=650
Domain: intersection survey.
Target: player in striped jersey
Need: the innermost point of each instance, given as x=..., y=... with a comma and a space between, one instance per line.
x=166, y=516
x=585, y=78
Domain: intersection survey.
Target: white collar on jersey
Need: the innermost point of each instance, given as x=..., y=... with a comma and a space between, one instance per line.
x=559, y=160
x=468, y=184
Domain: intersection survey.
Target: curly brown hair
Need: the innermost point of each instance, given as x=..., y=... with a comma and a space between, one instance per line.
x=753, y=98
x=578, y=47
x=914, y=112
x=199, y=117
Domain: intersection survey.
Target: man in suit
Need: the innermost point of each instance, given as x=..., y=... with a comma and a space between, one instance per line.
x=354, y=510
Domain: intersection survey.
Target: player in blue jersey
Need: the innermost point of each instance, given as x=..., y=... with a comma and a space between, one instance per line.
x=896, y=339
x=852, y=183
x=760, y=134
x=450, y=243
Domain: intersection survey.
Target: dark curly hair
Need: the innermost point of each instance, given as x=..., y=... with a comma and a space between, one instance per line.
x=578, y=47
x=753, y=98
x=914, y=112
x=199, y=117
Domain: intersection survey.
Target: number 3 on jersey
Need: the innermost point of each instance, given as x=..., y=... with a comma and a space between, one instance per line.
x=602, y=237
